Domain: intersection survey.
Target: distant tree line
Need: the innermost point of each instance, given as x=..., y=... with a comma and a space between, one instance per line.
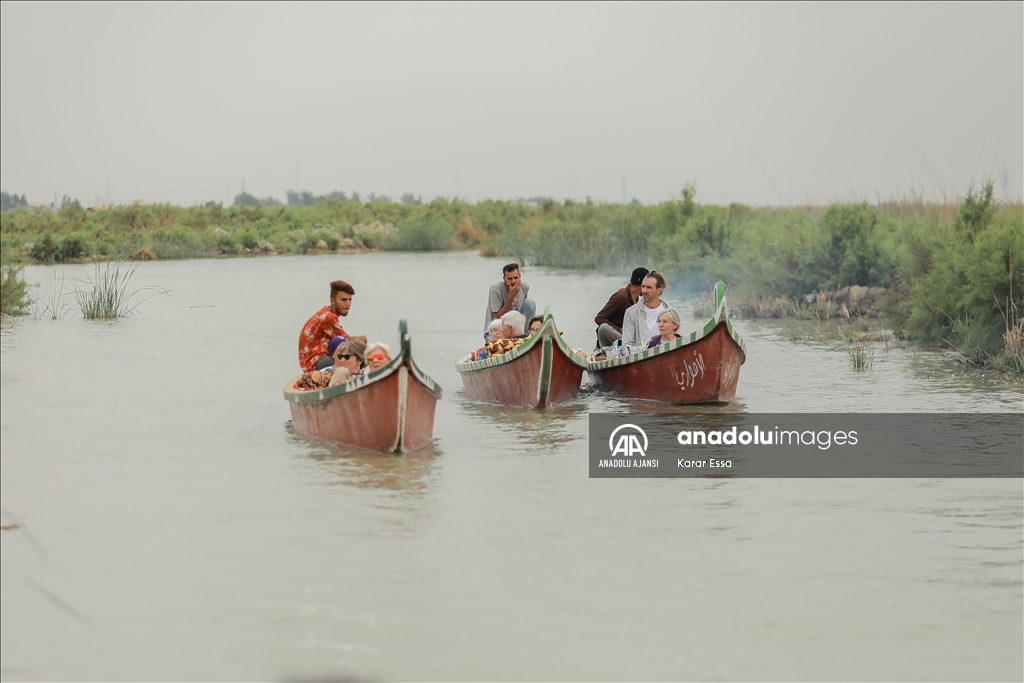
x=12, y=201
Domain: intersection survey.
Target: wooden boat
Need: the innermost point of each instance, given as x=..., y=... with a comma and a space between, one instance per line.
x=389, y=410
x=701, y=368
x=540, y=372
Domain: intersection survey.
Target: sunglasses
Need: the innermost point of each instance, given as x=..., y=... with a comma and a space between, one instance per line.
x=344, y=356
x=376, y=356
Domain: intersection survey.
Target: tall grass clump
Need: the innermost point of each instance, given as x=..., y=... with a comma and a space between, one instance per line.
x=179, y=243
x=52, y=305
x=1013, y=347
x=109, y=291
x=861, y=354
x=428, y=234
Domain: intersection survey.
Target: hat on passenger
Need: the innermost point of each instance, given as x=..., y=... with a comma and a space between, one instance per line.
x=637, y=278
x=333, y=345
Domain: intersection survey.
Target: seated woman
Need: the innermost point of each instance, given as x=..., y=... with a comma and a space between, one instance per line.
x=668, y=328
x=349, y=361
x=493, y=334
x=378, y=355
x=535, y=323
x=327, y=362
x=321, y=377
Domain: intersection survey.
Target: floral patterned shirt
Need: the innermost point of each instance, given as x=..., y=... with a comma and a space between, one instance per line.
x=315, y=336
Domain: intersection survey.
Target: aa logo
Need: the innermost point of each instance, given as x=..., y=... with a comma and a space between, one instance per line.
x=628, y=444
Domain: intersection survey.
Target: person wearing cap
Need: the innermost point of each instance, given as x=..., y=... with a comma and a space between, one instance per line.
x=378, y=354
x=329, y=361
x=609, y=320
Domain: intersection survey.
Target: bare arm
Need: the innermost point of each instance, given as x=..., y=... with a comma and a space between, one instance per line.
x=509, y=301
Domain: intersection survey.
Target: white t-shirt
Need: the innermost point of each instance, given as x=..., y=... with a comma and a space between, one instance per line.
x=652, y=319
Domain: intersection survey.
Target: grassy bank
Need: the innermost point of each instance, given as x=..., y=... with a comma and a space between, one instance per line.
x=948, y=273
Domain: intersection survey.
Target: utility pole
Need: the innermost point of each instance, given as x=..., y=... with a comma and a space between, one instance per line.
x=574, y=186
x=623, y=188
x=296, y=178
x=243, y=184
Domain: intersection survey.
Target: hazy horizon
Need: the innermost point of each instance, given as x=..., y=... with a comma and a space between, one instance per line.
x=759, y=104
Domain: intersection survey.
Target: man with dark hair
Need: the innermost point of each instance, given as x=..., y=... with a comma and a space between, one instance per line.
x=609, y=320
x=324, y=324
x=508, y=295
x=640, y=322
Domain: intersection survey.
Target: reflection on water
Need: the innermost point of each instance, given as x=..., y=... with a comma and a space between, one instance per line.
x=528, y=429
x=410, y=474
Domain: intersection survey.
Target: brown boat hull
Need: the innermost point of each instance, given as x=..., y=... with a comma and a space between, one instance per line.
x=541, y=373
x=704, y=371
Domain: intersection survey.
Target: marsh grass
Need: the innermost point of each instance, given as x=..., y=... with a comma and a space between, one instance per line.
x=428, y=235
x=108, y=293
x=53, y=304
x=860, y=353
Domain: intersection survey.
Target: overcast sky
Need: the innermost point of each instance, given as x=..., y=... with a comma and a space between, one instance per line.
x=761, y=104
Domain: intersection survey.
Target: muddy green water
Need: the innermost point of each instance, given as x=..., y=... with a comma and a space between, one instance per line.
x=172, y=527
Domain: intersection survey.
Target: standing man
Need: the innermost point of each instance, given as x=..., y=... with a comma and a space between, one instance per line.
x=508, y=295
x=609, y=320
x=317, y=332
x=640, y=322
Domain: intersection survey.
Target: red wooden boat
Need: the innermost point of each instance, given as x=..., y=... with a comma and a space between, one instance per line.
x=389, y=410
x=540, y=372
x=701, y=368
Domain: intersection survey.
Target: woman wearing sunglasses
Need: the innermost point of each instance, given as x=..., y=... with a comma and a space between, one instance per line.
x=349, y=360
x=378, y=355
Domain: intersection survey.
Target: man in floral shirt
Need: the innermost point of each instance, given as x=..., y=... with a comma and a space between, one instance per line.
x=324, y=324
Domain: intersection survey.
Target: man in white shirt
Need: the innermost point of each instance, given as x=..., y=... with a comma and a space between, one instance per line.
x=640, y=322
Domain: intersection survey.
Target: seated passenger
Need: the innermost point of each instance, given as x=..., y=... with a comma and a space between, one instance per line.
x=493, y=334
x=350, y=359
x=668, y=328
x=327, y=362
x=535, y=323
x=378, y=355
x=512, y=324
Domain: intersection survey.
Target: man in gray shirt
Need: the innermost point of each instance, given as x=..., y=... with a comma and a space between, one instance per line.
x=508, y=295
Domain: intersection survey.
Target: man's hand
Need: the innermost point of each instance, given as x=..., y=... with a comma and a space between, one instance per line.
x=513, y=291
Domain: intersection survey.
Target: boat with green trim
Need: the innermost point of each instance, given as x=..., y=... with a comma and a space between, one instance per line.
x=703, y=367
x=389, y=410
x=540, y=372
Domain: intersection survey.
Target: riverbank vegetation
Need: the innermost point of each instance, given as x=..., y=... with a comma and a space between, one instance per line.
x=944, y=273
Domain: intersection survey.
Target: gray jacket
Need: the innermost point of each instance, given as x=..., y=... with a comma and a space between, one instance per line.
x=634, y=325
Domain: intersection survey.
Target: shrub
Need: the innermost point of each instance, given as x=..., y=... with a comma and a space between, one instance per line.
x=178, y=243
x=14, y=298
x=432, y=234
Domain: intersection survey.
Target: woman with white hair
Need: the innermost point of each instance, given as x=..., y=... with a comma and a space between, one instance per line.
x=668, y=328
x=378, y=354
